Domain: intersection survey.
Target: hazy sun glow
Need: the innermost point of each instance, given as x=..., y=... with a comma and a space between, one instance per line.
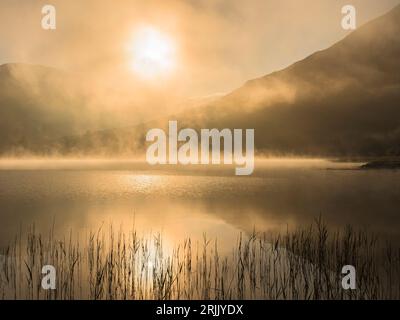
x=153, y=53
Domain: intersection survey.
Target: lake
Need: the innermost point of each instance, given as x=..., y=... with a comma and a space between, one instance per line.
x=179, y=202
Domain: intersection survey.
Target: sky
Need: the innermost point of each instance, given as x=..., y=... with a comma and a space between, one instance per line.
x=217, y=44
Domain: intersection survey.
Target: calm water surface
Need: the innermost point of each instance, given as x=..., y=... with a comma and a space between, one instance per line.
x=190, y=201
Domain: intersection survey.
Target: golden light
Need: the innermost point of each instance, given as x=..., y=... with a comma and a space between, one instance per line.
x=153, y=53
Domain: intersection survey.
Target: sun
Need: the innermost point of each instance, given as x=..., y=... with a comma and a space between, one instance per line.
x=153, y=53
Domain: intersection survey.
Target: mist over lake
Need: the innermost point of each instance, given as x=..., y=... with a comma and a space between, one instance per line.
x=82, y=195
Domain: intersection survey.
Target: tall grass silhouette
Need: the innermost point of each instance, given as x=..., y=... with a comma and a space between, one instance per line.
x=112, y=264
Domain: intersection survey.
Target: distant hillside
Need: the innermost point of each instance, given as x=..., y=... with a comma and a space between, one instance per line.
x=37, y=105
x=46, y=111
x=344, y=100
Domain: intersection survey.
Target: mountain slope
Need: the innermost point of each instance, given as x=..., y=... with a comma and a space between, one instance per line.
x=38, y=104
x=344, y=100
